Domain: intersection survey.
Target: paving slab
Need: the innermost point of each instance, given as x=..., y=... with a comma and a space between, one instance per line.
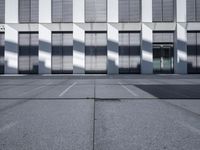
x=46, y=124
x=145, y=125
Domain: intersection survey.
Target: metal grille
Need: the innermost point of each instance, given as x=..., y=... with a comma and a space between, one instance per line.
x=191, y=15
x=129, y=52
x=163, y=37
x=28, y=53
x=163, y=10
x=193, y=10
x=28, y=11
x=62, y=10
x=129, y=10
x=96, y=10
x=62, y=52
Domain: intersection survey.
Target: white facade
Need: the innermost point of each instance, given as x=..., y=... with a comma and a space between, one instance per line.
x=112, y=27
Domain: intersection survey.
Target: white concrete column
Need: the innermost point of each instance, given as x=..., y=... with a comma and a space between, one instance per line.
x=113, y=50
x=78, y=50
x=44, y=50
x=113, y=11
x=44, y=11
x=181, y=10
x=79, y=11
x=11, y=11
x=146, y=51
x=180, y=49
x=146, y=10
x=11, y=50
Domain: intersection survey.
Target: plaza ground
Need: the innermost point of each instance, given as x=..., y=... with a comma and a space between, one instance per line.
x=101, y=112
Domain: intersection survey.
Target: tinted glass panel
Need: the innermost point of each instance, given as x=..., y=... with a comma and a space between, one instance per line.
x=62, y=10
x=28, y=11
x=96, y=10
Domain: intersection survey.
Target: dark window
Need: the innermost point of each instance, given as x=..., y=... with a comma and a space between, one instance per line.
x=163, y=10
x=28, y=53
x=62, y=52
x=129, y=52
x=2, y=53
x=193, y=52
x=193, y=10
x=62, y=10
x=129, y=10
x=2, y=11
x=28, y=11
x=96, y=10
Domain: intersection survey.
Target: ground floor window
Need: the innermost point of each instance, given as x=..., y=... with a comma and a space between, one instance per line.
x=129, y=52
x=96, y=52
x=62, y=52
x=28, y=53
x=193, y=52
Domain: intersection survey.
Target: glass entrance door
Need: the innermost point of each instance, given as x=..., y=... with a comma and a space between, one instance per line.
x=163, y=58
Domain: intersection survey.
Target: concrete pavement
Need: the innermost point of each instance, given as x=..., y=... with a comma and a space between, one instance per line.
x=100, y=112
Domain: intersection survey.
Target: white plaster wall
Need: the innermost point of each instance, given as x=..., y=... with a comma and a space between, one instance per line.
x=78, y=50
x=11, y=11
x=146, y=10
x=180, y=50
x=113, y=50
x=113, y=10
x=181, y=11
x=45, y=11
x=146, y=51
x=44, y=50
x=78, y=11
x=11, y=50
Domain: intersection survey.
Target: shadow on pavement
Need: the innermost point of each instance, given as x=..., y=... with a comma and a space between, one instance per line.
x=172, y=91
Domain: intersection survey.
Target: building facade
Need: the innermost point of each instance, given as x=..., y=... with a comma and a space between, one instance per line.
x=99, y=36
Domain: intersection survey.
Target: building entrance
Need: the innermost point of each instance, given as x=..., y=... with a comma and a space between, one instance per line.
x=163, y=58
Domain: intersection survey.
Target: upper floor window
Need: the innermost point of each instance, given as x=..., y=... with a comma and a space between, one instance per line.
x=28, y=11
x=129, y=10
x=62, y=10
x=163, y=10
x=193, y=10
x=96, y=10
x=2, y=11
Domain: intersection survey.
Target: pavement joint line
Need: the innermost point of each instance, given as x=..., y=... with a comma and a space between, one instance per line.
x=188, y=126
x=130, y=91
x=67, y=89
x=37, y=88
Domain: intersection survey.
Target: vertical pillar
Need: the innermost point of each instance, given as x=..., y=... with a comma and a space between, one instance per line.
x=78, y=50
x=11, y=11
x=113, y=12
x=146, y=10
x=113, y=50
x=147, y=54
x=11, y=50
x=45, y=11
x=11, y=37
x=181, y=10
x=180, y=49
x=79, y=11
x=44, y=50
x=180, y=53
